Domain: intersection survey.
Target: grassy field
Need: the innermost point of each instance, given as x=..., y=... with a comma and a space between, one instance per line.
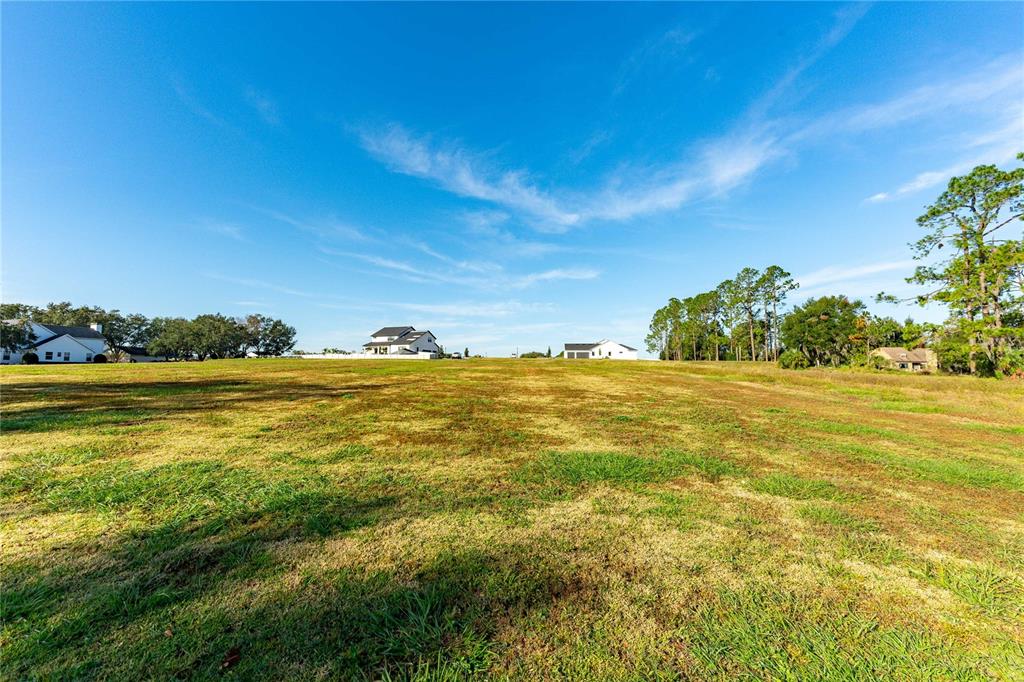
x=497, y=518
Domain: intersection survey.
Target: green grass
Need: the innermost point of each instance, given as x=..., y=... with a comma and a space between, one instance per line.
x=578, y=468
x=539, y=520
x=971, y=473
x=797, y=488
x=838, y=518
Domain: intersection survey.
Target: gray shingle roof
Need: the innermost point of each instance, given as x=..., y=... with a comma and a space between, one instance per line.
x=77, y=332
x=402, y=340
x=580, y=346
x=392, y=331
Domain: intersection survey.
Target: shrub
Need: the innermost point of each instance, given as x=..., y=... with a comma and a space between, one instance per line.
x=793, y=359
x=29, y=359
x=100, y=358
x=1012, y=364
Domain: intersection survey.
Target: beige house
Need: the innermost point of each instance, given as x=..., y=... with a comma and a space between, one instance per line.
x=917, y=360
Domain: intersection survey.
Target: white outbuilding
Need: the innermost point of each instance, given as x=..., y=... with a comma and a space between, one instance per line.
x=602, y=350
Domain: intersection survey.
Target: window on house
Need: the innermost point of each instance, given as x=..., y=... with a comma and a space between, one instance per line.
x=88, y=357
x=7, y=355
x=67, y=356
x=49, y=355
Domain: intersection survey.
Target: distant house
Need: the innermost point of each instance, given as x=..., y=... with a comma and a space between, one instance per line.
x=137, y=354
x=56, y=343
x=401, y=341
x=917, y=360
x=602, y=350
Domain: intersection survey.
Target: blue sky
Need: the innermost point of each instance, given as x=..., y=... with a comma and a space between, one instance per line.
x=504, y=175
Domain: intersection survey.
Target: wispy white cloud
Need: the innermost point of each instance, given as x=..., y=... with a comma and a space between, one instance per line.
x=476, y=309
x=229, y=230
x=328, y=228
x=490, y=225
x=999, y=146
x=592, y=143
x=461, y=264
x=731, y=160
x=722, y=165
x=843, y=21
x=1000, y=82
x=707, y=168
x=498, y=280
x=666, y=46
x=524, y=281
x=843, y=273
x=464, y=173
x=259, y=284
x=193, y=104
x=263, y=104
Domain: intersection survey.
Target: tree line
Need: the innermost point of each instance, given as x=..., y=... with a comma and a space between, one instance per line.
x=202, y=337
x=744, y=319
x=980, y=278
x=738, y=319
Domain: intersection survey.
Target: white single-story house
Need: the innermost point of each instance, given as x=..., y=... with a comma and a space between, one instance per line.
x=56, y=343
x=602, y=350
x=917, y=360
x=401, y=341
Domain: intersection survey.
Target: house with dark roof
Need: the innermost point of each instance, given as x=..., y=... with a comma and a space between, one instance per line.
x=402, y=341
x=136, y=354
x=600, y=350
x=917, y=360
x=55, y=343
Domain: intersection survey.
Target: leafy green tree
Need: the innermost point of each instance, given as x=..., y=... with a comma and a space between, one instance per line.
x=18, y=311
x=171, y=338
x=123, y=330
x=982, y=278
x=824, y=329
x=65, y=313
x=880, y=332
x=913, y=334
x=217, y=336
x=465, y=352
x=276, y=339
x=15, y=335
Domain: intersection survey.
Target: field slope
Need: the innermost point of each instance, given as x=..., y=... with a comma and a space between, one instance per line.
x=510, y=519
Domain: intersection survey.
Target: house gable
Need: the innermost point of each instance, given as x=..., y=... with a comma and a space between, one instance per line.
x=603, y=349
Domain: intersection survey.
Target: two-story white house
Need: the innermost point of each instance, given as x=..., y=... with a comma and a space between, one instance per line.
x=56, y=343
x=401, y=341
x=602, y=350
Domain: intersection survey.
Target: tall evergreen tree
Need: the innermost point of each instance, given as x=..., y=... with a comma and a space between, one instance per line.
x=982, y=278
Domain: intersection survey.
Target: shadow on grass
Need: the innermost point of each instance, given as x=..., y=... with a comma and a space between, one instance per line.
x=204, y=530
x=82, y=405
x=193, y=599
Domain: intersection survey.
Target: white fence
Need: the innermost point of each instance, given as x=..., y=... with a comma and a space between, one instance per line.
x=368, y=356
